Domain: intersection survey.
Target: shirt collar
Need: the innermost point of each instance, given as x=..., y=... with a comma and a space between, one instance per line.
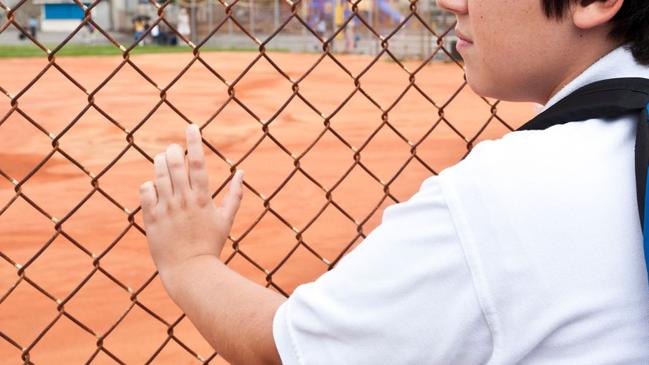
x=616, y=64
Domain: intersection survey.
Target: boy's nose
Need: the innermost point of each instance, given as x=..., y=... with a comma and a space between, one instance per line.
x=455, y=6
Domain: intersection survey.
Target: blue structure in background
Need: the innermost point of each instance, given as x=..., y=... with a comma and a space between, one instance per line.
x=62, y=11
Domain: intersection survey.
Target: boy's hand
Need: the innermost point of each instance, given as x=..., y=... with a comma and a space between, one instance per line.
x=180, y=218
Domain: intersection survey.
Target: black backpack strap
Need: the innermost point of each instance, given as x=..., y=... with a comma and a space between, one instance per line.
x=602, y=99
x=609, y=99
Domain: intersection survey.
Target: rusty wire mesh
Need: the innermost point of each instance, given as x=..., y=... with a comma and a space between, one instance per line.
x=21, y=270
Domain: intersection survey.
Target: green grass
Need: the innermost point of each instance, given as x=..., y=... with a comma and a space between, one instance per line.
x=76, y=50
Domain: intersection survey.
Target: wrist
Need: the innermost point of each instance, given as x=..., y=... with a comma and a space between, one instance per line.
x=175, y=277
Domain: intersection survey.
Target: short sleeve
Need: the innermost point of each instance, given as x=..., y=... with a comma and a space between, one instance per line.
x=405, y=295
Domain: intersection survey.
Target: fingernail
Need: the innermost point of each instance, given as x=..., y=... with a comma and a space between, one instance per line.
x=193, y=128
x=239, y=176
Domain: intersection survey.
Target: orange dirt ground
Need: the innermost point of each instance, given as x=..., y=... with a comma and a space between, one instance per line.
x=58, y=186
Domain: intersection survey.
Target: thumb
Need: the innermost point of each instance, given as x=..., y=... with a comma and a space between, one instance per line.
x=233, y=198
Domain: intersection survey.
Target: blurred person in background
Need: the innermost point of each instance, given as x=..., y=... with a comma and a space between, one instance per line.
x=138, y=27
x=33, y=26
x=183, y=25
x=89, y=34
x=351, y=37
x=155, y=34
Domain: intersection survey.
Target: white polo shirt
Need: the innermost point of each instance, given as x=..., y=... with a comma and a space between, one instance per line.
x=527, y=252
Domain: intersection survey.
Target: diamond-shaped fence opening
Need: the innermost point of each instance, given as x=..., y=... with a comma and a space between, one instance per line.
x=404, y=116
x=325, y=69
x=24, y=231
x=297, y=127
x=385, y=154
x=373, y=83
x=56, y=344
x=98, y=295
x=127, y=113
x=18, y=321
x=267, y=168
x=299, y=188
x=336, y=109
x=438, y=90
x=137, y=323
x=277, y=46
x=262, y=81
x=198, y=93
x=331, y=233
x=57, y=186
x=130, y=168
x=49, y=269
x=94, y=238
x=93, y=141
x=358, y=193
x=119, y=259
x=355, y=122
x=53, y=97
x=282, y=242
x=13, y=148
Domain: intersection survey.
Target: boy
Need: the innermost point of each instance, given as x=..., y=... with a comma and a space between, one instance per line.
x=528, y=251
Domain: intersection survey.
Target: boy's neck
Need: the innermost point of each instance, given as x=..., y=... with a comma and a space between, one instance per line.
x=583, y=59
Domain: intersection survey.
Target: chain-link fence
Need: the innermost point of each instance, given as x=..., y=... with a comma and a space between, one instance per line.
x=338, y=144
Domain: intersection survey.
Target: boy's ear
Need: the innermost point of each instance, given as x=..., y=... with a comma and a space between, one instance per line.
x=588, y=14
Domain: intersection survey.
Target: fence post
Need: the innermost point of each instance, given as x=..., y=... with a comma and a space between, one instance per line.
x=334, y=9
x=251, y=15
x=230, y=26
x=374, y=22
x=193, y=21
x=209, y=16
x=422, y=34
x=305, y=14
x=275, y=14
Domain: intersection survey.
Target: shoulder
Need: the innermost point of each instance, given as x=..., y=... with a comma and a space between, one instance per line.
x=531, y=177
x=536, y=213
x=571, y=147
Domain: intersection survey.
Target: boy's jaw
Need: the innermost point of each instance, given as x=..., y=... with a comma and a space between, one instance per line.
x=514, y=52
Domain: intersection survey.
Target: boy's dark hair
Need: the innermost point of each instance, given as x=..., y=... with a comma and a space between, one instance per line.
x=630, y=24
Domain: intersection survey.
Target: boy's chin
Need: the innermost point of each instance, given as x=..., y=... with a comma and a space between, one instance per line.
x=482, y=88
x=495, y=90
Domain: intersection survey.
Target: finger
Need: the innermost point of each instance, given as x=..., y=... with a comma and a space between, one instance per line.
x=162, y=180
x=198, y=178
x=177, y=171
x=148, y=200
x=233, y=198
